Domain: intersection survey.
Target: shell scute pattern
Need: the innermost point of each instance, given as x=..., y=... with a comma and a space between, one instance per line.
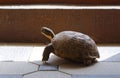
x=68, y=43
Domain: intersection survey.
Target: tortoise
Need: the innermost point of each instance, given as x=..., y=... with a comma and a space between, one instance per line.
x=70, y=45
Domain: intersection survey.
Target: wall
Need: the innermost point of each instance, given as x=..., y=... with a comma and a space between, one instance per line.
x=73, y=2
x=24, y=25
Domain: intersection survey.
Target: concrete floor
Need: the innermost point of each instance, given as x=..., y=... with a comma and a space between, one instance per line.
x=24, y=61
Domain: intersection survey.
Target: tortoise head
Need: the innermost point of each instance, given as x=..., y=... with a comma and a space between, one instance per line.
x=47, y=32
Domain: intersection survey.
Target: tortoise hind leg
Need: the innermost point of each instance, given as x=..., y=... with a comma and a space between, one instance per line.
x=48, y=49
x=87, y=62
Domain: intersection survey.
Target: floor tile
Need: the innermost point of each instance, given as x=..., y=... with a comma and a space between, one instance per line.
x=96, y=76
x=17, y=67
x=47, y=74
x=36, y=57
x=100, y=68
x=107, y=67
x=107, y=52
x=15, y=53
x=48, y=67
x=11, y=76
x=55, y=60
x=115, y=58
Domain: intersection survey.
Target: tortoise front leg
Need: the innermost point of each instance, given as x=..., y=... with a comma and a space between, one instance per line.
x=48, y=49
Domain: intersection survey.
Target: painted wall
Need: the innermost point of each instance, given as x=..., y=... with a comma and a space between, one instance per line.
x=24, y=25
x=73, y=2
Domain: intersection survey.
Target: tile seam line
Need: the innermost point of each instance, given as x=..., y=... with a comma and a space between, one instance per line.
x=29, y=73
x=33, y=63
x=65, y=73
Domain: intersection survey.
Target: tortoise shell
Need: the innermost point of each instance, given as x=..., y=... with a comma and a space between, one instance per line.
x=74, y=45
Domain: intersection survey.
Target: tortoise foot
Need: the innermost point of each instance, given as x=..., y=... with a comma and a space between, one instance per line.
x=87, y=62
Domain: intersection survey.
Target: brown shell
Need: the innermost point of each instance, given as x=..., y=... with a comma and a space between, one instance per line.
x=74, y=45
